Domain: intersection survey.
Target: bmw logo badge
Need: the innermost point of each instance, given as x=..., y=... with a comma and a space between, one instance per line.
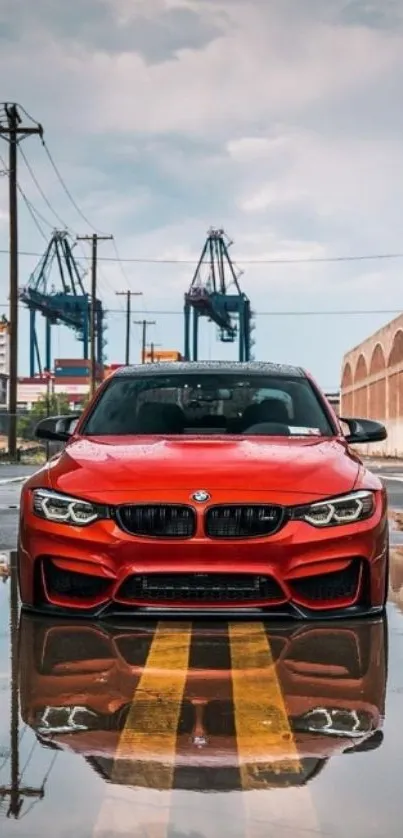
x=201, y=496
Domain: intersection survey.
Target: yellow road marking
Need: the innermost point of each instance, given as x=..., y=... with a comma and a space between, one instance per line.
x=263, y=729
x=266, y=744
x=145, y=757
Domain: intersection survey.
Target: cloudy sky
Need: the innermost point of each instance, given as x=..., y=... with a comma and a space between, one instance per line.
x=279, y=120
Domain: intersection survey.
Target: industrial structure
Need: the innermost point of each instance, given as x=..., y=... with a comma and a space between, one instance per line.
x=372, y=384
x=156, y=356
x=211, y=296
x=68, y=305
x=56, y=291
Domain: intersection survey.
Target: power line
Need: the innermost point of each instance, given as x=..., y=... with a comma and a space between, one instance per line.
x=34, y=213
x=308, y=261
x=65, y=187
x=284, y=313
x=76, y=207
x=119, y=261
x=41, y=192
x=56, y=214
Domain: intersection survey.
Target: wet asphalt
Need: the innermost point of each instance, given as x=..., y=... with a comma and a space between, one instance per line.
x=188, y=730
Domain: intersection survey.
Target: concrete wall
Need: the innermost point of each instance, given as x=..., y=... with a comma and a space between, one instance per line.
x=372, y=385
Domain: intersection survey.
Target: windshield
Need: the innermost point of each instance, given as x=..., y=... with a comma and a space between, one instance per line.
x=208, y=404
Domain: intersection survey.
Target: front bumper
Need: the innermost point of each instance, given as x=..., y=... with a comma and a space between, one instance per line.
x=300, y=572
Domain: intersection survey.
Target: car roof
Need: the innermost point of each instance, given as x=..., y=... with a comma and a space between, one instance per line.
x=251, y=368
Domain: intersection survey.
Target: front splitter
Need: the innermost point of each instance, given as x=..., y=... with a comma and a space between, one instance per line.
x=289, y=612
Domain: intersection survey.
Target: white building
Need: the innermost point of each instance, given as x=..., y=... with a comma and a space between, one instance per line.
x=30, y=391
x=4, y=348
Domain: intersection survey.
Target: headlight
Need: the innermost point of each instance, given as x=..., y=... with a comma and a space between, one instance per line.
x=66, y=510
x=334, y=722
x=342, y=510
x=66, y=720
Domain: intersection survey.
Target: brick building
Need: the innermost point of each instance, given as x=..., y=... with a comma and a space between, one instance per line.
x=372, y=384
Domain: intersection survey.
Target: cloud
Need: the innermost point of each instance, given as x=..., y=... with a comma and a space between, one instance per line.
x=331, y=176
x=377, y=14
x=259, y=68
x=155, y=30
x=281, y=122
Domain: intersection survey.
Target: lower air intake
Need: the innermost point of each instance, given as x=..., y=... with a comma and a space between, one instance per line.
x=329, y=586
x=200, y=587
x=75, y=585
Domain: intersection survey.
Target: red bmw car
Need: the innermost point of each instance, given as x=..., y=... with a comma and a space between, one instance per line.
x=79, y=682
x=210, y=488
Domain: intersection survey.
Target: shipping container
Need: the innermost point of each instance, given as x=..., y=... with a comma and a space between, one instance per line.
x=71, y=371
x=72, y=362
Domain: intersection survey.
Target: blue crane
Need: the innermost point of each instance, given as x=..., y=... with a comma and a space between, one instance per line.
x=209, y=297
x=69, y=306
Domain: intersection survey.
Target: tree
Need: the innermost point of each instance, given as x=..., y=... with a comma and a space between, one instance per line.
x=53, y=406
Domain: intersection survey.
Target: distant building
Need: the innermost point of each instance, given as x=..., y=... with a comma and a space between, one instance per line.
x=4, y=347
x=32, y=390
x=161, y=355
x=334, y=400
x=372, y=384
x=111, y=368
x=71, y=377
x=3, y=389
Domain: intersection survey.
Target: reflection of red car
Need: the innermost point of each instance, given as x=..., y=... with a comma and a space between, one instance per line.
x=77, y=683
x=210, y=487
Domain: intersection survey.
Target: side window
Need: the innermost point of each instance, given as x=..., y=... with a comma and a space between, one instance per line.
x=309, y=412
x=113, y=410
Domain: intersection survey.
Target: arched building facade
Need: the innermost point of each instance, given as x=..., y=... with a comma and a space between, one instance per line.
x=372, y=384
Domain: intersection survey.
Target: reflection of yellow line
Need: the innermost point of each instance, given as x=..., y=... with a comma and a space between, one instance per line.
x=263, y=729
x=265, y=742
x=151, y=729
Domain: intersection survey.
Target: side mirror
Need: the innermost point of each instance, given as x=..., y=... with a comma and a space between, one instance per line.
x=57, y=428
x=371, y=744
x=364, y=430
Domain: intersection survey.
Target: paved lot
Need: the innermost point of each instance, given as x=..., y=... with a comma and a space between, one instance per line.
x=193, y=731
x=9, y=502
x=13, y=472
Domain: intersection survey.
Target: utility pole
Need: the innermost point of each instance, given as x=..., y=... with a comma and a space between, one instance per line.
x=128, y=294
x=152, y=350
x=15, y=791
x=95, y=238
x=144, y=324
x=13, y=131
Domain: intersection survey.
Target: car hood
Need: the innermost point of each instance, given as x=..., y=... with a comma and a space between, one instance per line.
x=314, y=467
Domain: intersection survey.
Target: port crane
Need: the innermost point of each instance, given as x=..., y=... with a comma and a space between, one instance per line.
x=215, y=294
x=68, y=305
